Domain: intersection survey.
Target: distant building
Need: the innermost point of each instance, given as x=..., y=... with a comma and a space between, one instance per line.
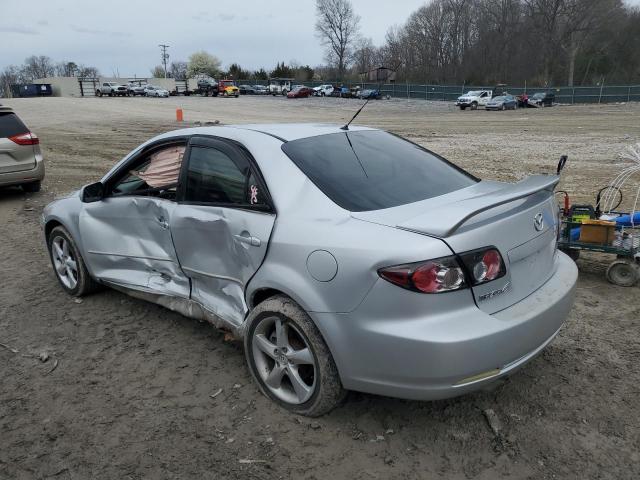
x=380, y=75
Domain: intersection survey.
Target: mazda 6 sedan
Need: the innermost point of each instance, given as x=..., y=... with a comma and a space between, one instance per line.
x=345, y=259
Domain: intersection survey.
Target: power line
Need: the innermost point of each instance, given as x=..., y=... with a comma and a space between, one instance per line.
x=165, y=57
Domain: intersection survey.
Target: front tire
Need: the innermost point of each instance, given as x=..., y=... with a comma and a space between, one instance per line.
x=68, y=264
x=474, y=106
x=289, y=359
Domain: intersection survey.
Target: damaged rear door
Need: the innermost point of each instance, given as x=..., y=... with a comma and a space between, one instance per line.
x=222, y=224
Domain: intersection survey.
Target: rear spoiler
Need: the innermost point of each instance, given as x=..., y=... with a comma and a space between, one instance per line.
x=440, y=224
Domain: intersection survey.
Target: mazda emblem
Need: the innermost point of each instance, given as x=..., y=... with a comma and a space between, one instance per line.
x=538, y=222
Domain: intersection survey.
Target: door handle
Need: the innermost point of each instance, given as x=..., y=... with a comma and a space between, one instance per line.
x=248, y=239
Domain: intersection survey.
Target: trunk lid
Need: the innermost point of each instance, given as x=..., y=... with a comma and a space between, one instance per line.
x=506, y=216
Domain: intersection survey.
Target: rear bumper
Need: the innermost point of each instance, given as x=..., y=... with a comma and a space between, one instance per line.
x=26, y=176
x=425, y=357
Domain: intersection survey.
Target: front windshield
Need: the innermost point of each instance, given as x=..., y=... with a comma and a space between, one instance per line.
x=474, y=93
x=499, y=99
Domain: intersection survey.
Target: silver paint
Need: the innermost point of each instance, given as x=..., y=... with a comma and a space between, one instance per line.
x=212, y=263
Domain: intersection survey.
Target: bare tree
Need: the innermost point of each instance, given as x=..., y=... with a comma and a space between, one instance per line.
x=337, y=25
x=88, y=72
x=11, y=75
x=66, y=69
x=365, y=56
x=38, y=67
x=582, y=19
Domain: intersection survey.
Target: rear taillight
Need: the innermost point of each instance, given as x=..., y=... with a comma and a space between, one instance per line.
x=484, y=265
x=446, y=274
x=433, y=276
x=25, y=139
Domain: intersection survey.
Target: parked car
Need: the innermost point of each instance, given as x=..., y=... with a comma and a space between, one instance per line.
x=474, y=99
x=260, y=89
x=280, y=86
x=301, y=92
x=154, y=91
x=395, y=273
x=112, y=89
x=350, y=92
x=247, y=90
x=543, y=99
x=503, y=102
x=21, y=160
x=369, y=93
x=136, y=89
x=207, y=86
x=323, y=90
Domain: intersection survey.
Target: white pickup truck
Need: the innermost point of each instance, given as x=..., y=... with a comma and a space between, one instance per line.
x=474, y=99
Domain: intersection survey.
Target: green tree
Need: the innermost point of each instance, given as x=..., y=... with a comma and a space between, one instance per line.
x=261, y=74
x=238, y=73
x=282, y=71
x=157, y=71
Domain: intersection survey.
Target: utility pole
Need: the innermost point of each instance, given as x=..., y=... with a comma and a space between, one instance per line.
x=165, y=57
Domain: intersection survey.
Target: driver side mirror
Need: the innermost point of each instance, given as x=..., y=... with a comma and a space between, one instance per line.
x=94, y=192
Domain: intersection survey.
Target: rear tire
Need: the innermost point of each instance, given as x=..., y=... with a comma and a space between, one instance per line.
x=278, y=333
x=32, y=187
x=99, y=93
x=68, y=264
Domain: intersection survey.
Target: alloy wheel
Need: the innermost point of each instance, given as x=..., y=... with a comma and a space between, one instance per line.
x=284, y=360
x=65, y=264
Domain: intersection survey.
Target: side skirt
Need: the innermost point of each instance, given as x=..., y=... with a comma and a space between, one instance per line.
x=183, y=306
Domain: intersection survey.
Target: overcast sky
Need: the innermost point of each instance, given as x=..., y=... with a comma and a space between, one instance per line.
x=123, y=36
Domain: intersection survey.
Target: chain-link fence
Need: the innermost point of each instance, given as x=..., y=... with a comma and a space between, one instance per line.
x=569, y=95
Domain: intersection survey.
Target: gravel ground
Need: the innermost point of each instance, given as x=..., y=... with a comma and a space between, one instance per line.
x=128, y=388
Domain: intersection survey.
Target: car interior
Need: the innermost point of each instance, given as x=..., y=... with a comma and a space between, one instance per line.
x=155, y=173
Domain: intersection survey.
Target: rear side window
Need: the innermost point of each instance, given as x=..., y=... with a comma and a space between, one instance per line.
x=11, y=125
x=213, y=177
x=372, y=170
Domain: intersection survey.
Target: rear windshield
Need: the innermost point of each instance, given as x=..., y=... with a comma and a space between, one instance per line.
x=372, y=170
x=11, y=125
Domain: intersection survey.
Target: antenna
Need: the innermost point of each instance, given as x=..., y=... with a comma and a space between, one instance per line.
x=346, y=127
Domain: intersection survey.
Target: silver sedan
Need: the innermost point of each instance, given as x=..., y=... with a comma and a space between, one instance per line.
x=343, y=258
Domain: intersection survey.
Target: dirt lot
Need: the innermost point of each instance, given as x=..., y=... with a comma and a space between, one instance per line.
x=131, y=394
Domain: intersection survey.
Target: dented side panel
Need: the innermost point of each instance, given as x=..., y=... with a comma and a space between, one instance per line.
x=127, y=241
x=220, y=249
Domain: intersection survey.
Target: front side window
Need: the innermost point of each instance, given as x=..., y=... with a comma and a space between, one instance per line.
x=213, y=177
x=372, y=170
x=153, y=174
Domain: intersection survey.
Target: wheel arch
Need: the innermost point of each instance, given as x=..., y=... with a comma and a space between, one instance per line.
x=263, y=294
x=49, y=226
